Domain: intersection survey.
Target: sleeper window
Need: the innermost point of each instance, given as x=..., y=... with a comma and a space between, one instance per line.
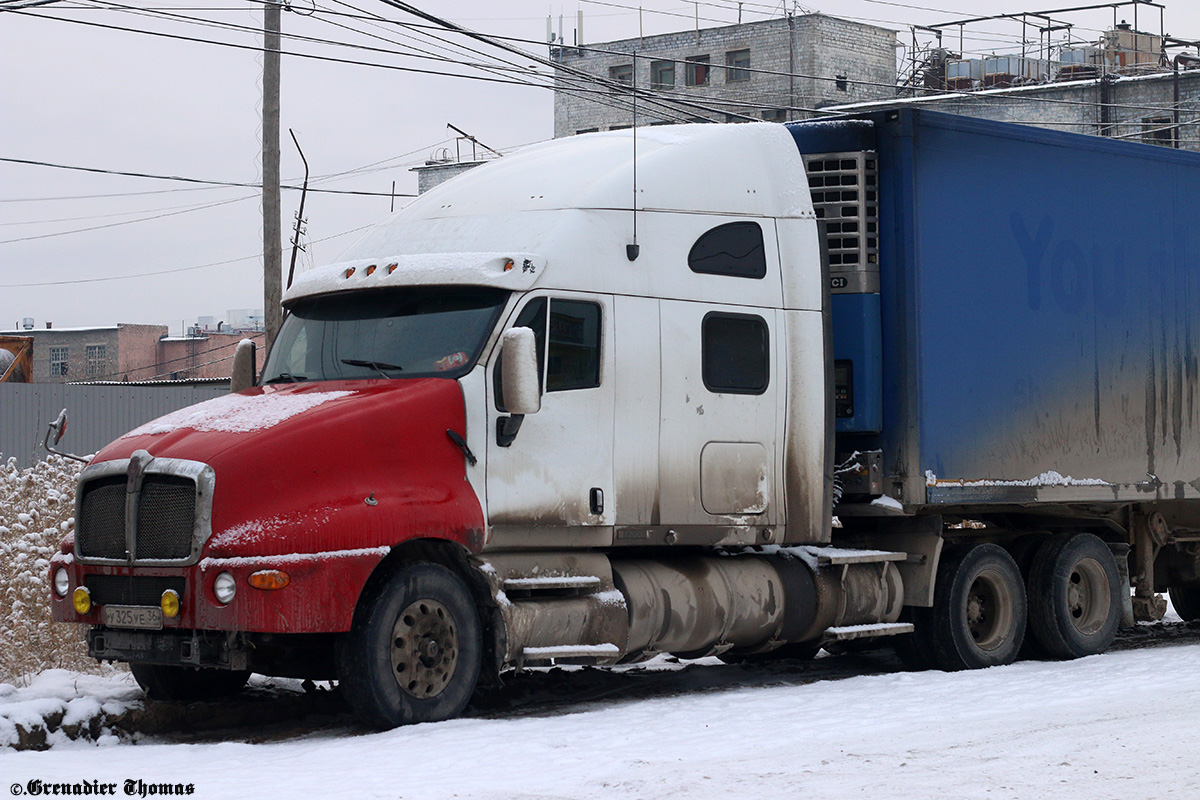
x=735, y=249
x=735, y=353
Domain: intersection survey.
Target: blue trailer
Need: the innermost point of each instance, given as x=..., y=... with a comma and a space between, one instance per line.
x=1014, y=325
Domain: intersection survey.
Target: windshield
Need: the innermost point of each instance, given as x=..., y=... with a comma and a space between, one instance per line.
x=407, y=332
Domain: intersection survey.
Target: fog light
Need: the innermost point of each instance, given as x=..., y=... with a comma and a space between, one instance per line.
x=82, y=600
x=62, y=582
x=269, y=579
x=224, y=587
x=169, y=602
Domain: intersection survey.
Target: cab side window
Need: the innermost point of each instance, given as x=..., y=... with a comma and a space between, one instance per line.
x=573, y=360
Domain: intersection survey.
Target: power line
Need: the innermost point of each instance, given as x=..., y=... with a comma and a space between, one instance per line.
x=182, y=179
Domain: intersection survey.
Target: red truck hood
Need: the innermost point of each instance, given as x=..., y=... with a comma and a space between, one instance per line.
x=320, y=467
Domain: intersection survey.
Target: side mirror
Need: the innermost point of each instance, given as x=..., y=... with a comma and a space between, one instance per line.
x=57, y=430
x=519, y=382
x=519, y=368
x=243, y=375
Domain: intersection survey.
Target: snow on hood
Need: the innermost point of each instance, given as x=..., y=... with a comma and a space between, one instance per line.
x=237, y=413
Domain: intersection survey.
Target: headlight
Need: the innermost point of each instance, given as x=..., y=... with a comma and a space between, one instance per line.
x=62, y=582
x=224, y=587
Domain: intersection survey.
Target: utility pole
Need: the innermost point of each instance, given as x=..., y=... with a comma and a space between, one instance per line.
x=272, y=234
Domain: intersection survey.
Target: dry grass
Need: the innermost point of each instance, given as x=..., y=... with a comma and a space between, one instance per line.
x=36, y=512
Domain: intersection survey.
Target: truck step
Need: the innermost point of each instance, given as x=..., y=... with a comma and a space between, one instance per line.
x=557, y=586
x=863, y=631
x=842, y=555
x=596, y=651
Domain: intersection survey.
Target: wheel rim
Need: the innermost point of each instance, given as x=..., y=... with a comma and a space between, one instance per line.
x=1087, y=596
x=989, y=610
x=424, y=648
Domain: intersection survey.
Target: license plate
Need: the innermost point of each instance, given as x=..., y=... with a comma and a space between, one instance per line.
x=147, y=617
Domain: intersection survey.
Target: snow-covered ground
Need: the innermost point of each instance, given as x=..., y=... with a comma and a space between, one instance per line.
x=1121, y=725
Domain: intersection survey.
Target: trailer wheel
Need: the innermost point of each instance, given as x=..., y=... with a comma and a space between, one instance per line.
x=978, y=614
x=1024, y=550
x=1186, y=600
x=187, y=684
x=1075, y=596
x=414, y=652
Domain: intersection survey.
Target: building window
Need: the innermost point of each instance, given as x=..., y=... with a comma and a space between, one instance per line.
x=622, y=73
x=698, y=71
x=97, y=359
x=662, y=74
x=775, y=115
x=1158, y=130
x=586, y=130
x=843, y=83
x=735, y=353
x=735, y=249
x=737, y=66
x=58, y=361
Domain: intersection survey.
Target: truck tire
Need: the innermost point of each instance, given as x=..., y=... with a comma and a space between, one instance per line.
x=978, y=614
x=414, y=652
x=1186, y=600
x=1024, y=550
x=1074, y=596
x=914, y=649
x=187, y=684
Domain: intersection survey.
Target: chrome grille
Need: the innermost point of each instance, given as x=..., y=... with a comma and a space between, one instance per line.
x=100, y=532
x=129, y=590
x=166, y=516
x=166, y=512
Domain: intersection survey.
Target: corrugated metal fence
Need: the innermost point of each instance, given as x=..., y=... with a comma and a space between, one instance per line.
x=98, y=414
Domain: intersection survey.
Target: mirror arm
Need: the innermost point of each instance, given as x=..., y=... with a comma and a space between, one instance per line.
x=507, y=427
x=54, y=428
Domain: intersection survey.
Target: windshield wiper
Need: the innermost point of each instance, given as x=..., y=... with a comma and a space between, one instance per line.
x=378, y=366
x=286, y=376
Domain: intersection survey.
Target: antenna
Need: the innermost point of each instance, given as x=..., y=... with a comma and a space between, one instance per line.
x=633, y=250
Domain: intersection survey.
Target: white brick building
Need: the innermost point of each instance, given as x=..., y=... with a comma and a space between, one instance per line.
x=775, y=69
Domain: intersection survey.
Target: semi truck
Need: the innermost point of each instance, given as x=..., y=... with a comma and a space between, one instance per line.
x=737, y=390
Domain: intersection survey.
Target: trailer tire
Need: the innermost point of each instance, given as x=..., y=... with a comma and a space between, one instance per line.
x=187, y=684
x=414, y=652
x=1074, y=596
x=1186, y=600
x=978, y=614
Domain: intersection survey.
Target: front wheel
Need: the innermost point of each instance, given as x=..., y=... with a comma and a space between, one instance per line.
x=415, y=649
x=187, y=684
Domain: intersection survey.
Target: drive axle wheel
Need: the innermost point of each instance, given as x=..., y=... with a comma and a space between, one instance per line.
x=1075, y=596
x=978, y=614
x=414, y=651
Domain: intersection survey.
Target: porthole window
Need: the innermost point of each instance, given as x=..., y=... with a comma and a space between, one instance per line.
x=735, y=249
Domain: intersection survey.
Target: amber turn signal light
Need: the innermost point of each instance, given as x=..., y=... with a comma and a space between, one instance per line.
x=269, y=579
x=82, y=600
x=169, y=603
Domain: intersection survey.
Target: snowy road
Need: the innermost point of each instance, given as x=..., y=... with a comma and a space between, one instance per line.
x=1121, y=725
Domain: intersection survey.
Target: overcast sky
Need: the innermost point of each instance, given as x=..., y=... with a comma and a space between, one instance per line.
x=82, y=95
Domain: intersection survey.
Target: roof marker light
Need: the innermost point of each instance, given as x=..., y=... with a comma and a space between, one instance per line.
x=349, y=272
x=391, y=268
x=371, y=270
x=508, y=265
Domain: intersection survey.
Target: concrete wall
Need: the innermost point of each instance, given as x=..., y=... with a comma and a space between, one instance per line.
x=812, y=45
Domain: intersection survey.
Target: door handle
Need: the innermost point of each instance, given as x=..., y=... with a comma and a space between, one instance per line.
x=596, y=500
